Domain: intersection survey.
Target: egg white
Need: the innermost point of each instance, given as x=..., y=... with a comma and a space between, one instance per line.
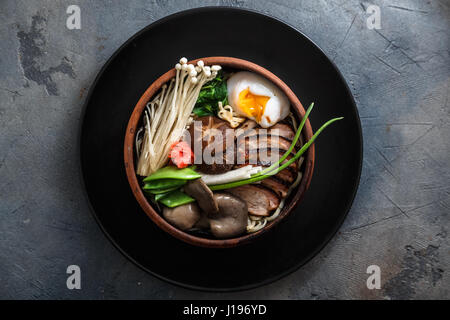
x=277, y=107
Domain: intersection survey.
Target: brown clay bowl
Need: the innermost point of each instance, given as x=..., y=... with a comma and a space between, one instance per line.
x=129, y=154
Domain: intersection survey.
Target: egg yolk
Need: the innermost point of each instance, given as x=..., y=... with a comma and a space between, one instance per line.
x=252, y=104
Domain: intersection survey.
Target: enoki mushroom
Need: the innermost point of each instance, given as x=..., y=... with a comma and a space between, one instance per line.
x=167, y=115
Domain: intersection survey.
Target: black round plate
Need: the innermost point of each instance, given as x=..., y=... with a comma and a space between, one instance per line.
x=220, y=32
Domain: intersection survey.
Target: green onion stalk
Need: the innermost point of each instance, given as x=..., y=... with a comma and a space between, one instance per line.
x=276, y=168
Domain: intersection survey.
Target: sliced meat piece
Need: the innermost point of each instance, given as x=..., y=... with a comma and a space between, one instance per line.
x=280, y=129
x=268, y=157
x=287, y=175
x=275, y=185
x=284, y=130
x=287, y=132
x=274, y=201
x=263, y=142
x=257, y=157
x=257, y=204
x=247, y=125
x=198, y=190
x=260, y=201
x=212, y=134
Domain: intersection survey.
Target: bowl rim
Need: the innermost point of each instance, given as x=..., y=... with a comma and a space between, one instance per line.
x=129, y=155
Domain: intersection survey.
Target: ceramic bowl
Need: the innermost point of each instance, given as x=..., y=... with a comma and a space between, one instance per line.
x=129, y=156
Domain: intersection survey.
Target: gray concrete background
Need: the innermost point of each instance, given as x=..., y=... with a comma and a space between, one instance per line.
x=400, y=78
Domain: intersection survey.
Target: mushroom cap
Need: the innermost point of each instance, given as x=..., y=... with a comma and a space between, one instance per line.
x=198, y=190
x=183, y=217
x=231, y=220
x=203, y=223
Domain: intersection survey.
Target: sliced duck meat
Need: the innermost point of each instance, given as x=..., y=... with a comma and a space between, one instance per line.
x=287, y=175
x=276, y=185
x=287, y=132
x=212, y=141
x=269, y=157
x=280, y=129
x=245, y=127
x=283, y=130
x=274, y=201
x=260, y=200
x=263, y=158
x=263, y=142
x=257, y=204
x=198, y=190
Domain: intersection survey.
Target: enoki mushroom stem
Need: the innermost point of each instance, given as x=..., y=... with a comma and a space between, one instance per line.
x=166, y=116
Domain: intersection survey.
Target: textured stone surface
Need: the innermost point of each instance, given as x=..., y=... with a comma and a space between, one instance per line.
x=399, y=75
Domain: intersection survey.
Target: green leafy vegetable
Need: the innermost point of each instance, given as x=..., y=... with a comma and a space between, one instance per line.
x=163, y=184
x=161, y=195
x=210, y=95
x=160, y=191
x=171, y=172
x=175, y=198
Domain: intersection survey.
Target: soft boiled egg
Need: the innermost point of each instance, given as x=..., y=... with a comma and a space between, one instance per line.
x=253, y=96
